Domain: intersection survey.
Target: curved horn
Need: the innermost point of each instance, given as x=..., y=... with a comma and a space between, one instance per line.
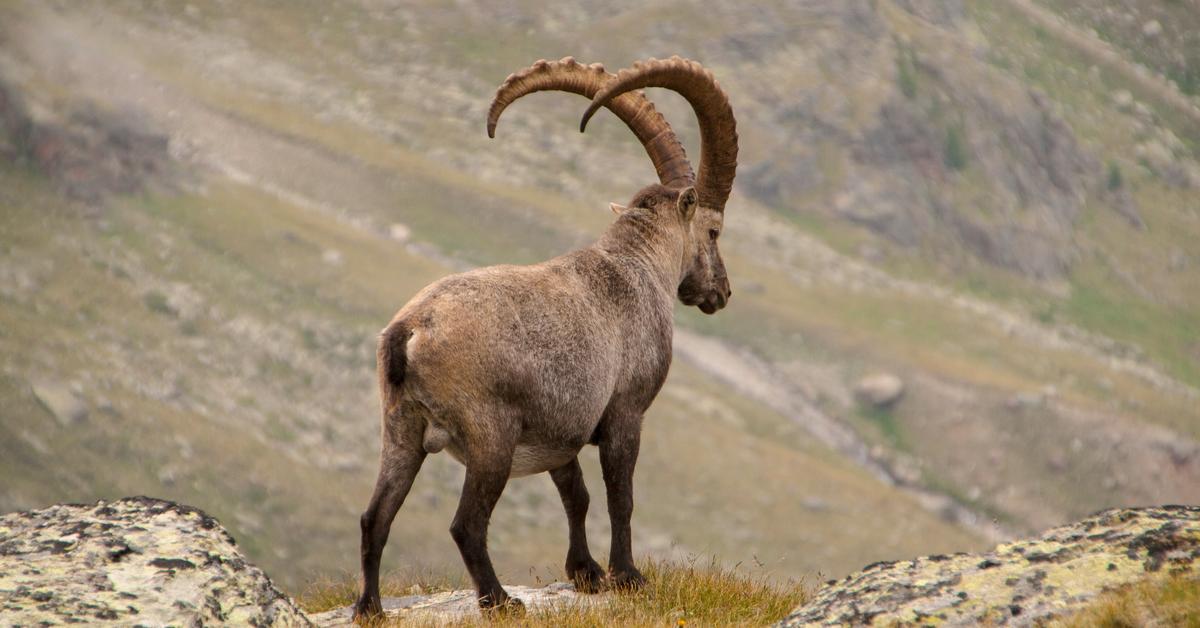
x=635, y=110
x=718, y=129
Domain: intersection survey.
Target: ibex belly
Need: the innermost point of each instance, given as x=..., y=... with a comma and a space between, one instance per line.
x=545, y=447
x=531, y=458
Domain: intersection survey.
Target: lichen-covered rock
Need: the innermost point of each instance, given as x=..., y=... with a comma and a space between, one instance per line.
x=1017, y=583
x=133, y=561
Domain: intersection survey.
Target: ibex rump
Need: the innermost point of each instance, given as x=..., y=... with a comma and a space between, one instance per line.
x=513, y=369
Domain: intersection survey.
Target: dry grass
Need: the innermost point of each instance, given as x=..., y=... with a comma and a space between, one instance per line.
x=329, y=592
x=1173, y=601
x=675, y=594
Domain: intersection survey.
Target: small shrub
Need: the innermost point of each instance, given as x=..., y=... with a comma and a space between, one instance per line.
x=1187, y=77
x=888, y=424
x=1115, y=180
x=156, y=301
x=309, y=338
x=956, y=149
x=1045, y=313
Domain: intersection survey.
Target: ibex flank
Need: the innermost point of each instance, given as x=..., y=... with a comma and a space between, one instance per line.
x=513, y=369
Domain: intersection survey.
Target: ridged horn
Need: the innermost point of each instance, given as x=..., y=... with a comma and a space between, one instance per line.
x=638, y=113
x=718, y=129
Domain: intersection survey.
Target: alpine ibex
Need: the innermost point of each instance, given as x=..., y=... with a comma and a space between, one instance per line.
x=513, y=369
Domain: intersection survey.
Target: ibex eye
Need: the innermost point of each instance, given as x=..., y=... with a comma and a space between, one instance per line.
x=712, y=234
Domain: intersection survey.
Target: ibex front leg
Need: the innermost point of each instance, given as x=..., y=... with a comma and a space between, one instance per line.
x=581, y=568
x=618, y=455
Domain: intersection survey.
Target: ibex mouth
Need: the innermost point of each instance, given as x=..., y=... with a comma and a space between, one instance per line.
x=713, y=303
x=708, y=303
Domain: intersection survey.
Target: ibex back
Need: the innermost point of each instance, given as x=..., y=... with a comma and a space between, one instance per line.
x=513, y=369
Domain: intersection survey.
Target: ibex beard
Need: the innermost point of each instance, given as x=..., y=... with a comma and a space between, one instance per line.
x=513, y=369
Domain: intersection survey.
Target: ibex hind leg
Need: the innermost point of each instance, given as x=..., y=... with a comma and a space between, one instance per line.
x=488, y=466
x=398, y=466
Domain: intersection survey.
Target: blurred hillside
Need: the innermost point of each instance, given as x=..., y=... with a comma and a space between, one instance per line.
x=209, y=210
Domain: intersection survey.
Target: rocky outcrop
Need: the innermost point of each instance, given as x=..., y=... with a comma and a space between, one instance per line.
x=1018, y=583
x=133, y=561
x=89, y=153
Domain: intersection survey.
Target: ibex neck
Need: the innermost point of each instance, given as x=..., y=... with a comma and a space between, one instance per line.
x=651, y=244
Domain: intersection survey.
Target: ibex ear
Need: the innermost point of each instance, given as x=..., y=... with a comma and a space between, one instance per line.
x=687, y=202
x=617, y=208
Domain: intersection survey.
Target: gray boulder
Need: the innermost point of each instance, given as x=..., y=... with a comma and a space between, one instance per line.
x=880, y=390
x=62, y=402
x=136, y=560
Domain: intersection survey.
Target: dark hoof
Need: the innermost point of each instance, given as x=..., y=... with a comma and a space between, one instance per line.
x=588, y=576
x=629, y=579
x=501, y=605
x=367, y=609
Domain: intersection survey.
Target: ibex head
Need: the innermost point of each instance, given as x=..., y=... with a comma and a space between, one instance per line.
x=705, y=283
x=700, y=199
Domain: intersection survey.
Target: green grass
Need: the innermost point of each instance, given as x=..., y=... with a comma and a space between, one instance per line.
x=884, y=421
x=1170, y=335
x=676, y=594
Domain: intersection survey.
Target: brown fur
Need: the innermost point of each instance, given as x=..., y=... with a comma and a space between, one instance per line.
x=513, y=369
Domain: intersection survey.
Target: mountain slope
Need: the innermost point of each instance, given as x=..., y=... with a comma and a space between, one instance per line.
x=926, y=188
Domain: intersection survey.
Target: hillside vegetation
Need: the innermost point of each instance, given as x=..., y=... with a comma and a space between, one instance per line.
x=209, y=210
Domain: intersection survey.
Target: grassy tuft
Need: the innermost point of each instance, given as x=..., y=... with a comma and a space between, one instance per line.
x=1173, y=601
x=675, y=594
